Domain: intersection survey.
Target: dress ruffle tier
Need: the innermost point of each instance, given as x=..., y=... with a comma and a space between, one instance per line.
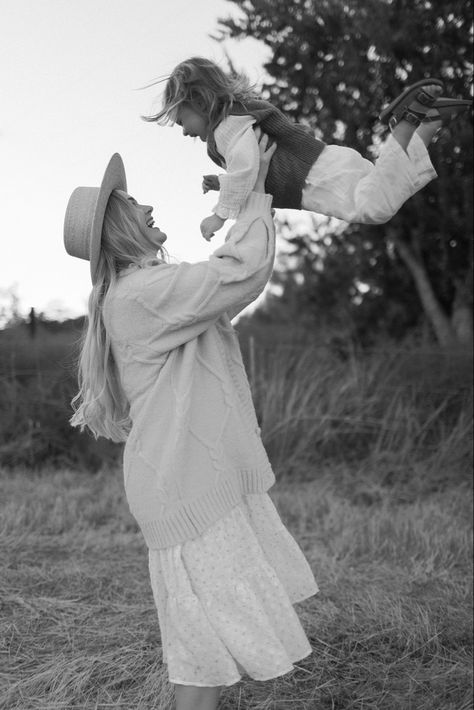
x=225, y=599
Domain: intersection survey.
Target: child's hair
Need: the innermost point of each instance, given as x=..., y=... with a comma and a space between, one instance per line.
x=203, y=85
x=101, y=405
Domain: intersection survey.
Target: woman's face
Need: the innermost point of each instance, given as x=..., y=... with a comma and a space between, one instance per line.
x=193, y=123
x=152, y=235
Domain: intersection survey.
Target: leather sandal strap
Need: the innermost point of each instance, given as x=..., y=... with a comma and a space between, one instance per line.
x=411, y=116
x=417, y=114
x=431, y=119
x=392, y=122
x=425, y=98
x=448, y=109
x=410, y=94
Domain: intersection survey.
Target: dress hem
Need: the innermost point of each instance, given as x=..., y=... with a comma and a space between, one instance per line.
x=298, y=600
x=233, y=682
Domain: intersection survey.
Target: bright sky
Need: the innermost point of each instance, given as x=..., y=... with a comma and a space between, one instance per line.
x=69, y=74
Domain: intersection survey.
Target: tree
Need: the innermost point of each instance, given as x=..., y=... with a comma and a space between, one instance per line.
x=344, y=286
x=334, y=64
x=9, y=306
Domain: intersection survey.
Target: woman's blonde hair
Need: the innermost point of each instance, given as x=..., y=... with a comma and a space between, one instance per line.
x=101, y=405
x=204, y=86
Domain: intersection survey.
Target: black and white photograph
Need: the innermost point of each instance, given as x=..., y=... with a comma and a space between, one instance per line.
x=236, y=355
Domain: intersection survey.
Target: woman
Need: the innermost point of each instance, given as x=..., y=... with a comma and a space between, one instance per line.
x=161, y=369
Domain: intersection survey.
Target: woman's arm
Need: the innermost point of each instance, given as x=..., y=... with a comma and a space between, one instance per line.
x=186, y=299
x=265, y=156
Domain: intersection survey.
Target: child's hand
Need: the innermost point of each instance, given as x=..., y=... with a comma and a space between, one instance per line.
x=210, y=225
x=210, y=182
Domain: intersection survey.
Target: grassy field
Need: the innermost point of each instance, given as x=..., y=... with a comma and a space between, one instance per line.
x=390, y=629
x=373, y=455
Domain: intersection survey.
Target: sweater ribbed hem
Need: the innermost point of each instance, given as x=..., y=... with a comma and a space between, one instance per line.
x=190, y=520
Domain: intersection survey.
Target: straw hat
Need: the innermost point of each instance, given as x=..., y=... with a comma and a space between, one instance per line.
x=85, y=214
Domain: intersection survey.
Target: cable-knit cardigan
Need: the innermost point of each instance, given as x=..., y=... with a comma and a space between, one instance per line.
x=194, y=448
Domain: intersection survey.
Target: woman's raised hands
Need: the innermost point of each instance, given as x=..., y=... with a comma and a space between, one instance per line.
x=266, y=154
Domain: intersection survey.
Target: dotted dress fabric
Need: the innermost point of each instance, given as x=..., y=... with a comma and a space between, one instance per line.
x=225, y=599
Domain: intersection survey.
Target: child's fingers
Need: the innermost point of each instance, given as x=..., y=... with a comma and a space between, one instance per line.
x=210, y=182
x=206, y=185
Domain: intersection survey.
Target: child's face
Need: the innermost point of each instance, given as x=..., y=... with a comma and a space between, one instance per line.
x=194, y=124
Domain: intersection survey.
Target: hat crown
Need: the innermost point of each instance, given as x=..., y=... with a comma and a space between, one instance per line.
x=85, y=215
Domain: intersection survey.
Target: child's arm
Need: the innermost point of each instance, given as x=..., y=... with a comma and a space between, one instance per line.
x=236, y=142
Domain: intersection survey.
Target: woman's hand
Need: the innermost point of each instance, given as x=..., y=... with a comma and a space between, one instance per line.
x=266, y=154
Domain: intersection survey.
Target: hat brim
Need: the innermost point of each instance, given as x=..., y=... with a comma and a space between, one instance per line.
x=114, y=179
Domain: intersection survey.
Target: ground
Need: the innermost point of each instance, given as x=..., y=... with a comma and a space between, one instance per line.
x=390, y=628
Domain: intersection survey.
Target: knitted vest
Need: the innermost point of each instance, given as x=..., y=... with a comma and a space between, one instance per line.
x=297, y=150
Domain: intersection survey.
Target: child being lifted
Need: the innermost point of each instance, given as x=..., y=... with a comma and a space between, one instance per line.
x=222, y=110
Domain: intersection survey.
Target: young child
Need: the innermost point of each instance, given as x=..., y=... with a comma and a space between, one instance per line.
x=305, y=173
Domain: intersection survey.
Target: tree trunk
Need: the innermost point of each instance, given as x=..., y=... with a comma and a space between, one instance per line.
x=444, y=331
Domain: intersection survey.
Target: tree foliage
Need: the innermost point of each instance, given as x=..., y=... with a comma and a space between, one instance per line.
x=345, y=285
x=333, y=65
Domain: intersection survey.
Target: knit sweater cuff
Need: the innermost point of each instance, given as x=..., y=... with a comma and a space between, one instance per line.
x=226, y=212
x=255, y=204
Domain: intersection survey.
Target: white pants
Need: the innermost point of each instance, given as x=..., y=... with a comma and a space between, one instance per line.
x=343, y=184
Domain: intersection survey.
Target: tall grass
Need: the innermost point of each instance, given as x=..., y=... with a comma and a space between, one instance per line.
x=379, y=410
x=390, y=409
x=37, y=382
